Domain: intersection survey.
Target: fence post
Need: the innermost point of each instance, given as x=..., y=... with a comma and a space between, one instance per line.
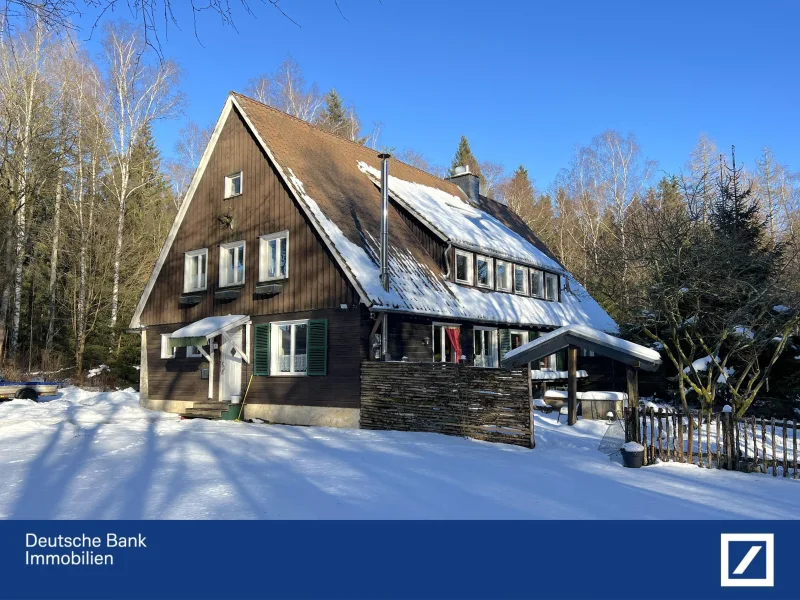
x=700, y=438
x=660, y=433
x=632, y=380
x=729, y=439
x=709, y=462
x=719, y=441
x=681, y=455
x=785, y=463
x=644, y=433
x=774, y=451
x=755, y=442
x=737, y=448
x=794, y=447
x=652, y=434
x=764, y=446
x=689, y=435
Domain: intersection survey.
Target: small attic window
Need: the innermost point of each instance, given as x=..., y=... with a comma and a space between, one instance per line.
x=463, y=267
x=233, y=185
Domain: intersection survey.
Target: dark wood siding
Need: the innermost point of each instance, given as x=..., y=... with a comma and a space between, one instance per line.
x=265, y=206
x=340, y=387
x=174, y=378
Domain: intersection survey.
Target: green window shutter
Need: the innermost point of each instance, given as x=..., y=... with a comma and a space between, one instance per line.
x=262, y=358
x=505, y=342
x=317, y=363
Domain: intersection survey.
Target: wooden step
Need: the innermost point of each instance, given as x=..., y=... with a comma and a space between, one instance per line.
x=202, y=413
x=223, y=406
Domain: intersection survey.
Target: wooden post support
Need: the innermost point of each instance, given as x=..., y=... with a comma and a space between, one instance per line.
x=652, y=435
x=572, y=385
x=632, y=376
x=530, y=405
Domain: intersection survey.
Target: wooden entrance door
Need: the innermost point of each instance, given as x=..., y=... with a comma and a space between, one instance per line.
x=230, y=377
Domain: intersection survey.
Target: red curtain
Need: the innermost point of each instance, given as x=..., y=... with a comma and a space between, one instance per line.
x=455, y=342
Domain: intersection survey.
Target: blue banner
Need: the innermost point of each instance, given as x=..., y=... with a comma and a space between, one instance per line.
x=400, y=559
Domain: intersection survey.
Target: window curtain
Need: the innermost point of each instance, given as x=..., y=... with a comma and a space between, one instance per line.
x=455, y=341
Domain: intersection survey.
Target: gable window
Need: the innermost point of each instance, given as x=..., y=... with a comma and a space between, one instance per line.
x=231, y=264
x=166, y=351
x=195, y=266
x=446, y=343
x=233, y=185
x=463, y=267
x=289, y=343
x=551, y=286
x=484, y=276
x=537, y=283
x=273, y=256
x=520, y=280
x=503, y=275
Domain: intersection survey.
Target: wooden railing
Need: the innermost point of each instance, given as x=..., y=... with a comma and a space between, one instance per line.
x=715, y=440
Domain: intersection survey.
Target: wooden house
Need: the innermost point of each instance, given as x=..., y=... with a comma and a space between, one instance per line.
x=272, y=269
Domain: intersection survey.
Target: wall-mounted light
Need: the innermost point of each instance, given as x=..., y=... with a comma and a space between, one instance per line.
x=426, y=341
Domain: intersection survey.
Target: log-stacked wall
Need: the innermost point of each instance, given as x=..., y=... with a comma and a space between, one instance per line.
x=485, y=404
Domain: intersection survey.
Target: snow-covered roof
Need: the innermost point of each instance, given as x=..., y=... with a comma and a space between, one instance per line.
x=462, y=223
x=416, y=287
x=209, y=327
x=587, y=337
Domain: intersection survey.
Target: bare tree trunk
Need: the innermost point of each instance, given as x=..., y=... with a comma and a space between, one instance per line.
x=51, y=318
x=123, y=199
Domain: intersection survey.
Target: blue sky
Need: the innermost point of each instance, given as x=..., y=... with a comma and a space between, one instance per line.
x=525, y=81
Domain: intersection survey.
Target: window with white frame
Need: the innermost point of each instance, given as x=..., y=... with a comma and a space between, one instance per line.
x=194, y=352
x=289, y=347
x=273, y=256
x=231, y=264
x=446, y=343
x=166, y=350
x=503, y=275
x=537, y=283
x=485, y=347
x=463, y=267
x=233, y=185
x=484, y=275
x=518, y=338
x=195, y=267
x=551, y=286
x=520, y=280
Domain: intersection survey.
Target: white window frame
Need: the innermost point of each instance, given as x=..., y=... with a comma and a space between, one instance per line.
x=274, y=358
x=263, y=255
x=222, y=250
x=443, y=337
x=509, y=275
x=193, y=352
x=525, y=282
x=489, y=270
x=493, y=346
x=166, y=351
x=538, y=273
x=189, y=256
x=470, y=267
x=550, y=276
x=229, y=193
x=526, y=335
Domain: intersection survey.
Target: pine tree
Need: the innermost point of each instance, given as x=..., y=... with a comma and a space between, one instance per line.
x=464, y=157
x=333, y=116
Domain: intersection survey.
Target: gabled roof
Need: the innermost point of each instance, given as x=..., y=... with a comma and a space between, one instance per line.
x=333, y=181
x=582, y=336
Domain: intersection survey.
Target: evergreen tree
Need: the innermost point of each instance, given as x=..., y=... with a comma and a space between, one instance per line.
x=333, y=116
x=464, y=157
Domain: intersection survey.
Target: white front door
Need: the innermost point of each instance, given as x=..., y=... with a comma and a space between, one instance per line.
x=485, y=347
x=230, y=376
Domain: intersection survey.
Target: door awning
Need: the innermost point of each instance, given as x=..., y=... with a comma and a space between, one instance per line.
x=199, y=332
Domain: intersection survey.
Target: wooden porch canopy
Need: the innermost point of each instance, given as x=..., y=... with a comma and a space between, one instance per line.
x=572, y=337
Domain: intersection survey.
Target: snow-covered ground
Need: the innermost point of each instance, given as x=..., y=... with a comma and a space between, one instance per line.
x=99, y=455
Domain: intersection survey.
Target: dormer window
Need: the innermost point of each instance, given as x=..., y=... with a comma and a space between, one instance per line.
x=503, y=276
x=463, y=267
x=233, y=185
x=520, y=280
x=551, y=287
x=484, y=277
x=537, y=283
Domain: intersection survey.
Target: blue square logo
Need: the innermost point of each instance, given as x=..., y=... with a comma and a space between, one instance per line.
x=747, y=560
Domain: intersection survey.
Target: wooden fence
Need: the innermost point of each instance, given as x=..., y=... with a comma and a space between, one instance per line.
x=716, y=440
x=485, y=404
